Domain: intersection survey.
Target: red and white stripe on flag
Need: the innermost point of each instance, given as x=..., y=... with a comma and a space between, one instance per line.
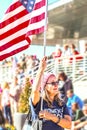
x=18, y=25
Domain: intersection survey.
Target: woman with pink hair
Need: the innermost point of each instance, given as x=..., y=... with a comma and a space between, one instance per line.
x=55, y=114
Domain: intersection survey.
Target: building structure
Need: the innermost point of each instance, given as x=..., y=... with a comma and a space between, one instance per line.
x=67, y=21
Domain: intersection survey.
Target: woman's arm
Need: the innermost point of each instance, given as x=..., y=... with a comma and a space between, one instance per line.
x=63, y=122
x=37, y=84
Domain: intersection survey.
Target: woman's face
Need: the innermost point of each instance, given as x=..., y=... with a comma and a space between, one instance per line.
x=52, y=85
x=61, y=78
x=85, y=110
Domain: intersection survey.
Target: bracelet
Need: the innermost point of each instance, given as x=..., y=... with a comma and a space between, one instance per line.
x=58, y=120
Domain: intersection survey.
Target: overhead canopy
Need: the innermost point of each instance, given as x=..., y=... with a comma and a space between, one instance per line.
x=71, y=18
x=67, y=21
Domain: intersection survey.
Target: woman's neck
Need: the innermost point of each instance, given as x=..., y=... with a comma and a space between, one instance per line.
x=51, y=98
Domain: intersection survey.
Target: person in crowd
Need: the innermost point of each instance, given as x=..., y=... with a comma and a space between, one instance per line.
x=55, y=113
x=24, y=65
x=76, y=112
x=57, y=54
x=2, y=121
x=85, y=58
x=66, y=52
x=30, y=64
x=85, y=101
x=81, y=124
x=65, y=84
x=85, y=48
x=15, y=91
x=58, y=60
x=14, y=62
x=5, y=101
x=73, y=98
x=65, y=55
x=0, y=96
x=75, y=52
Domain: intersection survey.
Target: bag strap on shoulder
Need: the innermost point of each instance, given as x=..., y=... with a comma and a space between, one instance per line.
x=34, y=116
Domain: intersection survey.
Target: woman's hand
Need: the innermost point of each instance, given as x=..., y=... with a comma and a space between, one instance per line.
x=63, y=122
x=45, y=114
x=43, y=64
x=48, y=116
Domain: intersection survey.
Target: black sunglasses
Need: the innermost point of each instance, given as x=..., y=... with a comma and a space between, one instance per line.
x=53, y=83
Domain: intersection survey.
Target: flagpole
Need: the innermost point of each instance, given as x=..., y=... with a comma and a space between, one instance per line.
x=44, y=45
x=45, y=27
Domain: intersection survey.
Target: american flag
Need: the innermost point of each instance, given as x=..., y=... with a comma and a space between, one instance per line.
x=22, y=19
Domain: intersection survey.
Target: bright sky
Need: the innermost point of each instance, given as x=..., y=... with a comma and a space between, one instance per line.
x=4, y=4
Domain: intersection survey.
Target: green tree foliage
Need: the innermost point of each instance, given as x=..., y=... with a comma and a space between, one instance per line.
x=24, y=97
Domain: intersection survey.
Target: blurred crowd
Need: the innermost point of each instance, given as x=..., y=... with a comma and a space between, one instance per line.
x=10, y=92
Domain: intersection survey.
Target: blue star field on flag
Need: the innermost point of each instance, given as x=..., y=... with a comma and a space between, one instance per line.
x=28, y=4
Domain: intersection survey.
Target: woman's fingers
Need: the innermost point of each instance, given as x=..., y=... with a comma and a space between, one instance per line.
x=43, y=63
x=44, y=114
